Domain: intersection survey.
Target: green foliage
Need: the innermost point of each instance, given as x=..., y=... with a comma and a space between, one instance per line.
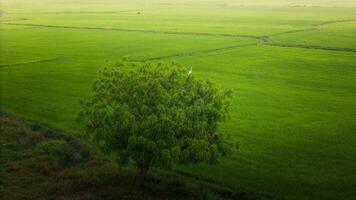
x=67, y=152
x=156, y=114
x=52, y=147
x=37, y=174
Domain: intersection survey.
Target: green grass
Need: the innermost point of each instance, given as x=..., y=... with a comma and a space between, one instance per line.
x=339, y=35
x=40, y=163
x=294, y=120
x=293, y=112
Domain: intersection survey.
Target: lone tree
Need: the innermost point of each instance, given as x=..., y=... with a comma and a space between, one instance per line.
x=156, y=114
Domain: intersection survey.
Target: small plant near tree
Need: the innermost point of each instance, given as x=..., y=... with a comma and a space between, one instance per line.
x=156, y=114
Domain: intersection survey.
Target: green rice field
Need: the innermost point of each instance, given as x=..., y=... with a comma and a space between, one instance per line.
x=290, y=63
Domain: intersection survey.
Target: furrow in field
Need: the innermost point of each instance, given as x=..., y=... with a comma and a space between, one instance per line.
x=138, y=30
x=313, y=47
x=192, y=53
x=29, y=62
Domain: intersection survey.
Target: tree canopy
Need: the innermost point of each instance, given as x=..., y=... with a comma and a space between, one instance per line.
x=156, y=114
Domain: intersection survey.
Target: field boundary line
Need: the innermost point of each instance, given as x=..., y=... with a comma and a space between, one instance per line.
x=140, y=31
x=334, y=22
x=291, y=31
x=313, y=47
x=313, y=28
x=12, y=20
x=193, y=53
x=80, y=12
x=267, y=40
x=28, y=62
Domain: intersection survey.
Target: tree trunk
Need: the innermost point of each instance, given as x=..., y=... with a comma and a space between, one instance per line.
x=142, y=173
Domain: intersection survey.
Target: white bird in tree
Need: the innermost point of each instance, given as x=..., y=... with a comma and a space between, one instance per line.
x=190, y=71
